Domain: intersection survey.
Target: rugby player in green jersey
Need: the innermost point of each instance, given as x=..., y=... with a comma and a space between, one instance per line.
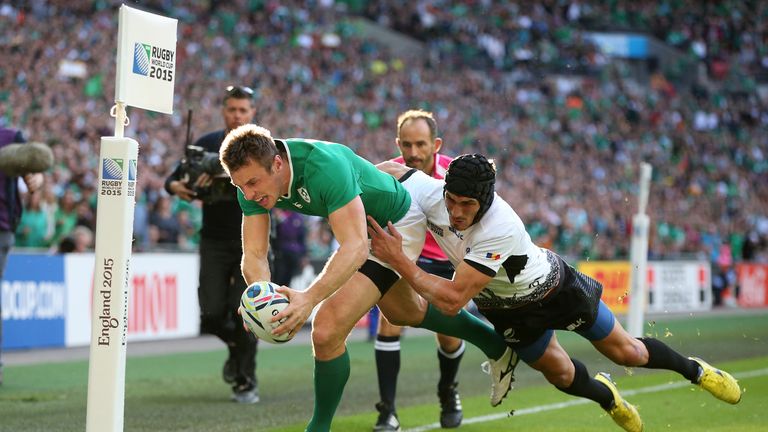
x=329, y=180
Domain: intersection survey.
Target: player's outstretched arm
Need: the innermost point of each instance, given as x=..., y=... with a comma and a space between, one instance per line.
x=450, y=296
x=348, y=226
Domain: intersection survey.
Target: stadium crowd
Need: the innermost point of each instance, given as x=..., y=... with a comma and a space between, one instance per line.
x=568, y=144
x=551, y=32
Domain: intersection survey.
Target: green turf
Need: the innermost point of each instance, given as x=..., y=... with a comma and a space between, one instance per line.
x=184, y=392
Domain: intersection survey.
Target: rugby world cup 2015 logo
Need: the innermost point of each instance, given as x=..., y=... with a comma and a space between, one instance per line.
x=112, y=177
x=141, y=54
x=131, y=177
x=112, y=169
x=131, y=169
x=153, y=61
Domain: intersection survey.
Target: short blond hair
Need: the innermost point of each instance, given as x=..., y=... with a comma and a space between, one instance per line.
x=246, y=143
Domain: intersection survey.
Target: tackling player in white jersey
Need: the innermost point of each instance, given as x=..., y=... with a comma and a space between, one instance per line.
x=525, y=291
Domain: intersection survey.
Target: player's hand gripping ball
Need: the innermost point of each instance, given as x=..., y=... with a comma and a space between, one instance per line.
x=258, y=304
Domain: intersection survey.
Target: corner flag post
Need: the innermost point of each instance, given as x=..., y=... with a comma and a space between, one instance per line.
x=144, y=78
x=638, y=256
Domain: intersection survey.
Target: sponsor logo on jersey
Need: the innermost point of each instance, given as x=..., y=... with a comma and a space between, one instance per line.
x=458, y=234
x=493, y=256
x=435, y=229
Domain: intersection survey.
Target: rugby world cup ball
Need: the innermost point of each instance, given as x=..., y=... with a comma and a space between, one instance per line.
x=258, y=304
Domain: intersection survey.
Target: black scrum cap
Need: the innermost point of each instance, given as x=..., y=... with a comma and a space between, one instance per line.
x=474, y=176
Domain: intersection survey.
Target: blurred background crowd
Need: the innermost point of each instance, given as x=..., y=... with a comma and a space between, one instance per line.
x=519, y=81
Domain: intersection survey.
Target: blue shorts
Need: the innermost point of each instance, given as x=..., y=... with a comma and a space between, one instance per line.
x=599, y=330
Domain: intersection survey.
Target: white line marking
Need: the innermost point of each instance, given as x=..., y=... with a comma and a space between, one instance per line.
x=570, y=403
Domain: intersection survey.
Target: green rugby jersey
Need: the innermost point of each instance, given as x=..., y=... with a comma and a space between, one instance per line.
x=326, y=176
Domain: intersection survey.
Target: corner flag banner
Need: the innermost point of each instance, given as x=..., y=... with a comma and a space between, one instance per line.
x=146, y=60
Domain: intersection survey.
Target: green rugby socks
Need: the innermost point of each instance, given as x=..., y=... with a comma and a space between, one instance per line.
x=330, y=378
x=466, y=326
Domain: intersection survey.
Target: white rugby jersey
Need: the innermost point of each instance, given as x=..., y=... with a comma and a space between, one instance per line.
x=497, y=246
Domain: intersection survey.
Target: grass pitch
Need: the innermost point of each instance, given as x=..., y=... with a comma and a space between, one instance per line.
x=184, y=392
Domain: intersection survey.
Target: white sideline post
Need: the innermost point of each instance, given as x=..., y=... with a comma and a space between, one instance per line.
x=146, y=67
x=109, y=326
x=638, y=257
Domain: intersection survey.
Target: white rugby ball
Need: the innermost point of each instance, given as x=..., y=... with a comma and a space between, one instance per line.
x=258, y=304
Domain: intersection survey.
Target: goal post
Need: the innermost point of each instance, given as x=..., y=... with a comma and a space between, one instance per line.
x=638, y=257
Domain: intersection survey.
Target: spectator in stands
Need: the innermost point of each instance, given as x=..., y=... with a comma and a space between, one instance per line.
x=619, y=120
x=78, y=241
x=289, y=245
x=11, y=210
x=65, y=218
x=221, y=282
x=33, y=226
x=164, y=223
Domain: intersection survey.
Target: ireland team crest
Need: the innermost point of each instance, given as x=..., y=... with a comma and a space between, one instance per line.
x=304, y=194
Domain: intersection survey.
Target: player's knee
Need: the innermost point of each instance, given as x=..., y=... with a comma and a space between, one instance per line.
x=448, y=343
x=561, y=377
x=556, y=366
x=631, y=353
x=401, y=317
x=326, y=338
x=399, y=320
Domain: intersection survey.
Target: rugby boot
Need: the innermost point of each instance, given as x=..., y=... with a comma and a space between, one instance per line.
x=502, y=373
x=720, y=383
x=387, y=421
x=451, y=414
x=245, y=391
x=622, y=412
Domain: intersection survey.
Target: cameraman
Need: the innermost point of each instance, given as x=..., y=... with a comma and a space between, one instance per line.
x=199, y=176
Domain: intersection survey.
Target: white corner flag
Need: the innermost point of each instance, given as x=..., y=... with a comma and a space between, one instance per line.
x=146, y=60
x=146, y=66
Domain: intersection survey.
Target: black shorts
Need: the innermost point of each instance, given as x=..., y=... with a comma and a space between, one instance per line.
x=384, y=278
x=444, y=269
x=571, y=305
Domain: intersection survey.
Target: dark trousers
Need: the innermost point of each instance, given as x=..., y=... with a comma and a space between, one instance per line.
x=286, y=266
x=221, y=285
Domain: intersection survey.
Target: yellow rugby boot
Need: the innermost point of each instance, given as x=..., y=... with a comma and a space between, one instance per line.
x=720, y=383
x=623, y=413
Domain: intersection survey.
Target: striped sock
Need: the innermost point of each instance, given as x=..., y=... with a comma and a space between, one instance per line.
x=449, y=365
x=387, y=367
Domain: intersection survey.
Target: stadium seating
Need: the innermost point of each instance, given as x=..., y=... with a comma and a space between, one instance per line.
x=493, y=72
